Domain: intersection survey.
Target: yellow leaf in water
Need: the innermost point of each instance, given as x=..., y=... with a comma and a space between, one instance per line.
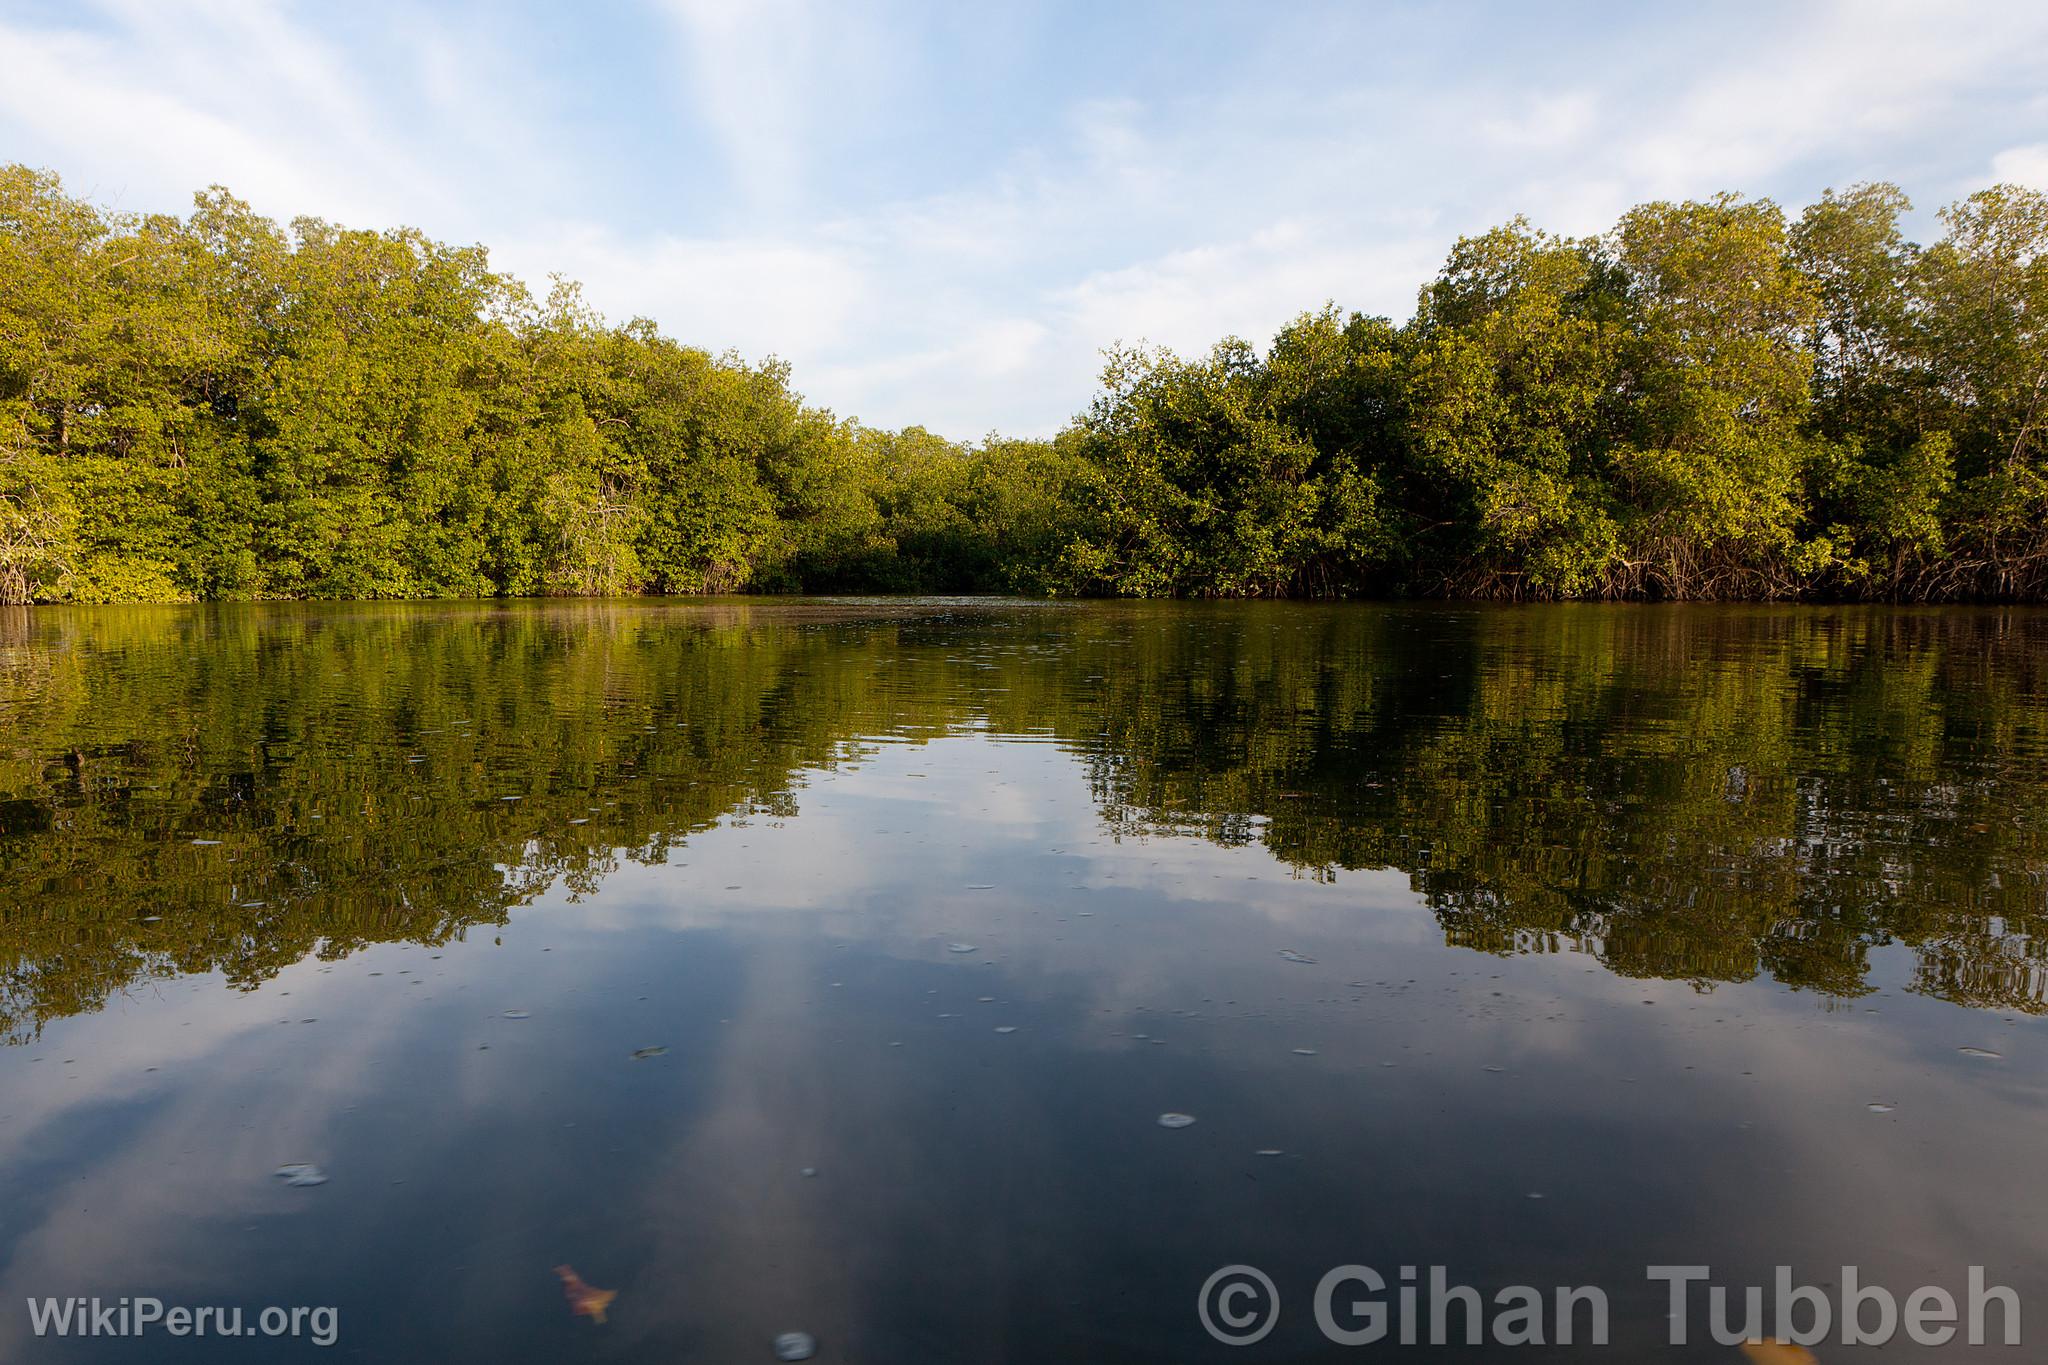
x=1778, y=1353
x=585, y=1300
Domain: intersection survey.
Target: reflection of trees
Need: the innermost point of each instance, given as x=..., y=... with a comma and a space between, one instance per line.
x=1695, y=794
x=182, y=792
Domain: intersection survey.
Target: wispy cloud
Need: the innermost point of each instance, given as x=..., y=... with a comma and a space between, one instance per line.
x=941, y=216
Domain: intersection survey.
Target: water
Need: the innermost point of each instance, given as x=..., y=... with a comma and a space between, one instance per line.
x=1544, y=945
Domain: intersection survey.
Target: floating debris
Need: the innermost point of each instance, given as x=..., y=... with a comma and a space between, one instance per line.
x=797, y=1345
x=1269, y=1151
x=1304, y=1052
x=1876, y=1107
x=809, y=1173
x=959, y=947
x=1006, y=1028
x=1496, y=1068
x=641, y=1054
x=1292, y=956
x=1172, y=1120
x=585, y=1300
x=1981, y=1052
x=981, y=886
x=301, y=1174
x=517, y=1014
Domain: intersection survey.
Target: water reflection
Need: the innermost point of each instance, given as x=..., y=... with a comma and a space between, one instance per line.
x=1547, y=945
x=1702, y=795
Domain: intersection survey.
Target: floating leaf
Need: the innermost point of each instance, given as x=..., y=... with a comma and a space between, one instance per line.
x=1778, y=1353
x=585, y=1300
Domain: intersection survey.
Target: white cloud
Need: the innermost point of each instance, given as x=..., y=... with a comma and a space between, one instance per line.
x=791, y=183
x=756, y=297
x=2022, y=165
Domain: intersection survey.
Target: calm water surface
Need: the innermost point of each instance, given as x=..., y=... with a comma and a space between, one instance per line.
x=1545, y=945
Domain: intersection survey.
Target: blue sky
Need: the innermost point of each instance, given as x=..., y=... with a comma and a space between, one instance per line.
x=941, y=213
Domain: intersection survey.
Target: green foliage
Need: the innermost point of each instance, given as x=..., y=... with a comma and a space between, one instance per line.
x=1203, y=478
x=1699, y=795
x=1705, y=402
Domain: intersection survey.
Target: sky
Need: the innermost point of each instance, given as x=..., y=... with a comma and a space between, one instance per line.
x=942, y=213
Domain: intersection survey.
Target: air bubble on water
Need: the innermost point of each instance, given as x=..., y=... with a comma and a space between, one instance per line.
x=1006, y=1028
x=1496, y=1068
x=1304, y=1052
x=1269, y=1151
x=1880, y=1108
x=1172, y=1120
x=795, y=1346
x=959, y=947
x=517, y=1014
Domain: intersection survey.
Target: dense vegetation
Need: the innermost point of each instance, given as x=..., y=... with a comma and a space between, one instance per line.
x=1702, y=795
x=1708, y=401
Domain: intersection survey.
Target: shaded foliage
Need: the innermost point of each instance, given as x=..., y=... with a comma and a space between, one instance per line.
x=1706, y=794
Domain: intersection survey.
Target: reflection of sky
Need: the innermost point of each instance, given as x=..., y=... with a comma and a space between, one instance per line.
x=981, y=1195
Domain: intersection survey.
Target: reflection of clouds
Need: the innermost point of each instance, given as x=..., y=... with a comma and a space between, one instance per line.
x=237, y=1094
x=744, y=1252
x=955, y=1170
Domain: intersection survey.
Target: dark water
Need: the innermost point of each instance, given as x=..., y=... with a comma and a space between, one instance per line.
x=1621, y=921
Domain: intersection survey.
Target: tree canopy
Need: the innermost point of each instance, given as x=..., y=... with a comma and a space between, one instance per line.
x=1712, y=400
